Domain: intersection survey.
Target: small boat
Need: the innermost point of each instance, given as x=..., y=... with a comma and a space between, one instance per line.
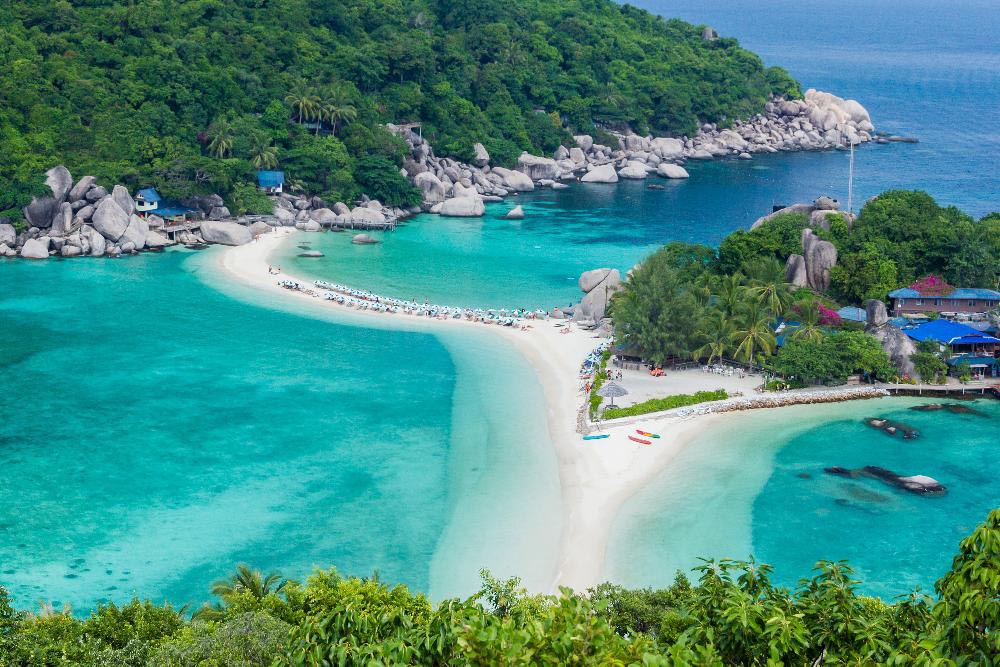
x=647, y=434
x=596, y=437
x=640, y=440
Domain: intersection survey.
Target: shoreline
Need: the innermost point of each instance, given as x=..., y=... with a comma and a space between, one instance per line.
x=596, y=477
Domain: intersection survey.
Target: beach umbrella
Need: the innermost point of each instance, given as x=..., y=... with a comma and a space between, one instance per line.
x=611, y=390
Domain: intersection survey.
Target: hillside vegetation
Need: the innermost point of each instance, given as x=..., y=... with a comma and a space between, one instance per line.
x=733, y=615
x=191, y=96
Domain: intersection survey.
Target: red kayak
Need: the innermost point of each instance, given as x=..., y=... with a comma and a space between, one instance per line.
x=640, y=440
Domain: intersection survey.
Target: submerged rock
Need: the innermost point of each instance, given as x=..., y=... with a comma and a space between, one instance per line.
x=363, y=239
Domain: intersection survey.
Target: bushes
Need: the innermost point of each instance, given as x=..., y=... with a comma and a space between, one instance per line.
x=380, y=179
x=666, y=403
x=246, y=198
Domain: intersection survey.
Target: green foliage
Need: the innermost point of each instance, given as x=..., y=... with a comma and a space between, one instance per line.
x=380, y=179
x=864, y=275
x=246, y=198
x=778, y=238
x=666, y=403
x=832, y=358
x=123, y=89
x=733, y=615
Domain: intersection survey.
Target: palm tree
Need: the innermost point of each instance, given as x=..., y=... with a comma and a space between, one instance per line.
x=809, y=328
x=220, y=138
x=753, y=332
x=730, y=293
x=717, y=334
x=263, y=155
x=249, y=581
x=304, y=102
x=336, y=108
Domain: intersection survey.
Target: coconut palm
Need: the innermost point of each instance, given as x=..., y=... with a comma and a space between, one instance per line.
x=263, y=155
x=767, y=283
x=717, y=332
x=809, y=327
x=336, y=108
x=730, y=293
x=304, y=102
x=249, y=581
x=753, y=332
x=220, y=138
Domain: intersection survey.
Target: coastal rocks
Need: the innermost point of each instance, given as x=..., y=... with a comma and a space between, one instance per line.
x=515, y=181
x=795, y=271
x=820, y=257
x=584, y=142
x=260, y=227
x=599, y=286
x=431, y=186
x=538, y=168
x=81, y=188
x=135, y=232
x=308, y=226
x=668, y=170
x=896, y=344
x=481, y=157
x=124, y=200
x=40, y=212
x=362, y=215
x=93, y=238
x=59, y=181
x=219, y=213
x=96, y=194
x=463, y=206
x=36, y=248
x=225, y=233
x=516, y=213
x=363, y=239
x=601, y=174
x=284, y=217
x=794, y=208
x=311, y=253
x=632, y=171
x=157, y=240
x=110, y=220
x=8, y=234
x=7, y=251
x=323, y=216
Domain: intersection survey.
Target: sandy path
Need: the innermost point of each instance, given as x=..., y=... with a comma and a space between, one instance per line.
x=596, y=476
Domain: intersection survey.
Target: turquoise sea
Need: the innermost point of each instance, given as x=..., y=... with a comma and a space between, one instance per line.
x=156, y=432
x=753, y=484
x=161, y=424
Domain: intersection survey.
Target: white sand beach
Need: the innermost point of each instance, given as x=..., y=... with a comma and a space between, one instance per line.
x=596, y=476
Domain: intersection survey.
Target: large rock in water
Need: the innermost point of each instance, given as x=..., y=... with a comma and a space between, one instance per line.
x=98, y=244
x=110, y=220
x=633, y=171
x=123, y=199
x=136, y=232
x=795, y=271
x=594, y=306
x=514, y=180
x=463, y=207
x=431, y=187
x=157, y=240
x=225, y=233
x=41, y=211
x=362, y=215
x=603, y=174
x=538, y=168
x=668, y=170
x=36, y=248
x=62, y=222
x=516, y=213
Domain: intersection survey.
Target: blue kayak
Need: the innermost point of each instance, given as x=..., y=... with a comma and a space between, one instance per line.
x=596, y=437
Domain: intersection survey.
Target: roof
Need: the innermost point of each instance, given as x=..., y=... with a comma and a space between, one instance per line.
x=959, y=293
x=853, y=314
x=973, y=361
x=173, y=210
x=149, y=194
x=270, y=179
x=949, y=333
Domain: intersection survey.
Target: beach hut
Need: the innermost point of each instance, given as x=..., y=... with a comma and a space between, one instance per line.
x=147, y=200
x=612, y=391
x=271, y=182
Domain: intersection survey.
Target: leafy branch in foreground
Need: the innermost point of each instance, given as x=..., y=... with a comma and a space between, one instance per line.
x=733, y=615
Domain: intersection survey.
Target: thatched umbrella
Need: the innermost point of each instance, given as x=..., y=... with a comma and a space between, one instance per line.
x=611, y=390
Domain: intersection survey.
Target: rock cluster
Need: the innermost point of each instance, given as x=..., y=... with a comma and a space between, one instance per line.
x=77, y=220
x=897, y=345
x=812, y=268
x=311, y=214
x=821, y=212
x=598, y=286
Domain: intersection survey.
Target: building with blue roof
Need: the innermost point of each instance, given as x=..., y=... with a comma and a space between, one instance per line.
x=960, y=300
x=972, y=346
x=853, y=314
x=147, y=200
x=271, y=182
